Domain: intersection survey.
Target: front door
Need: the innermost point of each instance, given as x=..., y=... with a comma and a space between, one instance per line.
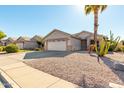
x=84, y=44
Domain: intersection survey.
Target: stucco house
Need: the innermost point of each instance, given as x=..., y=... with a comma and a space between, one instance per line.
x=7, y=41
x=27, y=43
x=36, y=38
x=2, y=42
x=61, y=41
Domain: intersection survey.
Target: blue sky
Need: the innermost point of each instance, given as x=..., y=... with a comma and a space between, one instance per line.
x=31, y=20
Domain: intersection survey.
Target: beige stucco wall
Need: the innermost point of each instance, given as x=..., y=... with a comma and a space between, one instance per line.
x=88, y=37
x=75, y=43
x=30, y=45
x=72, y=43
x=84, y=35
x=88, y=42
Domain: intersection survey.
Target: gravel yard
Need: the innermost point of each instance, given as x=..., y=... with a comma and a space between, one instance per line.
x=79, y=68
x=116, y=56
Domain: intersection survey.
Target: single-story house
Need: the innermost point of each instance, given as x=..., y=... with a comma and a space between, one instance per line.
x=61, y=41
x=35, y=40
x=2, y=42
x=27, y=43
x=7, y=41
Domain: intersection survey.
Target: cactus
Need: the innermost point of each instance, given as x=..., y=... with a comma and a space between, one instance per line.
x=113, y=42
x=103, y=49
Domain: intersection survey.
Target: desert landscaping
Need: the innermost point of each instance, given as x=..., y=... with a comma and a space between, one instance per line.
x=79, y=68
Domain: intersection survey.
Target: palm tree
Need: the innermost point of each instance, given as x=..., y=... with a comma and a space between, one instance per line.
x=95, y=9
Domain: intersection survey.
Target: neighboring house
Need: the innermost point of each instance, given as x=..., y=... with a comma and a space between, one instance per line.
x=22, y=42
x=10, y=40
x=2, y=42
x=36, y=38
x=61, y=41
x=7, y=41
x=35, y=41
x=27, y=43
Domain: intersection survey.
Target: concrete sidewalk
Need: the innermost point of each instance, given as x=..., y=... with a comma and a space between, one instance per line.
x=28, y=77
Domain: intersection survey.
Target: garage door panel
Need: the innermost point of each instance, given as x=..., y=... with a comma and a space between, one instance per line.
x=57, y=45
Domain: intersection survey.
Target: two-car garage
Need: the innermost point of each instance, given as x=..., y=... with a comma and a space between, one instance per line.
x=58, y=45
x=61, y=41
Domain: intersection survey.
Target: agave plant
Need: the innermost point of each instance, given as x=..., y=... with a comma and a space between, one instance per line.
x=113, y=42
x=103, y=48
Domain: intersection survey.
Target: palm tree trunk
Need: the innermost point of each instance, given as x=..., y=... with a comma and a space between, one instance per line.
x=95, y=30
x=95, y=25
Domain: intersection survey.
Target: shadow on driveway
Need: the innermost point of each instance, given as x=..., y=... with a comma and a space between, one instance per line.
x=108, y=62
x=46, y=54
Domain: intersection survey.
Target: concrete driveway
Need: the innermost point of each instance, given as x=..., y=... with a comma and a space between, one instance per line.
x=46, y=54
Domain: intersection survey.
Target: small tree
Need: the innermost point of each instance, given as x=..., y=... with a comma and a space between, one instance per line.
x=2, y=35
x=103, y=48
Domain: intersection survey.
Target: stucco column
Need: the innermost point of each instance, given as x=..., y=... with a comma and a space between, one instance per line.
x=88, y=42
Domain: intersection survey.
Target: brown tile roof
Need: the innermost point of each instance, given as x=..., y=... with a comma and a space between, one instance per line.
x=77, y=34
x=25, y=38
x=61, y=32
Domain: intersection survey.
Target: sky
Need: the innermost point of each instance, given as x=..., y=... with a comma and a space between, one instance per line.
x=33, y=20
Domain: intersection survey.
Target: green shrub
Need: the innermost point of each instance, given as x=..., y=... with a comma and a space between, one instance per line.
x=38, y=49
x=1, y=48
x=113, y=42
x=4, y=48
x=104, y=47
x=11, y=48
x=119, y=49
x=122, y=48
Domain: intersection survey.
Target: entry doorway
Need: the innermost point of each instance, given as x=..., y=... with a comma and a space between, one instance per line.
x=84, y=44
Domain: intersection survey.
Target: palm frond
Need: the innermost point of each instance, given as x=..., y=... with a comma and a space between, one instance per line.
x=103, y=7
x=87, y=9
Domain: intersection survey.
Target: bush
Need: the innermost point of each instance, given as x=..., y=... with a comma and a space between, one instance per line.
x=11, y=48
x=1, y=48
x=122, y=48
x=119, y=49
x=103, y=49
x=113, y=42
x=38, y=49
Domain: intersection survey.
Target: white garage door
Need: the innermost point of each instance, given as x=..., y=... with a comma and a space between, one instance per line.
x=57, y=45
x=20, y=45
